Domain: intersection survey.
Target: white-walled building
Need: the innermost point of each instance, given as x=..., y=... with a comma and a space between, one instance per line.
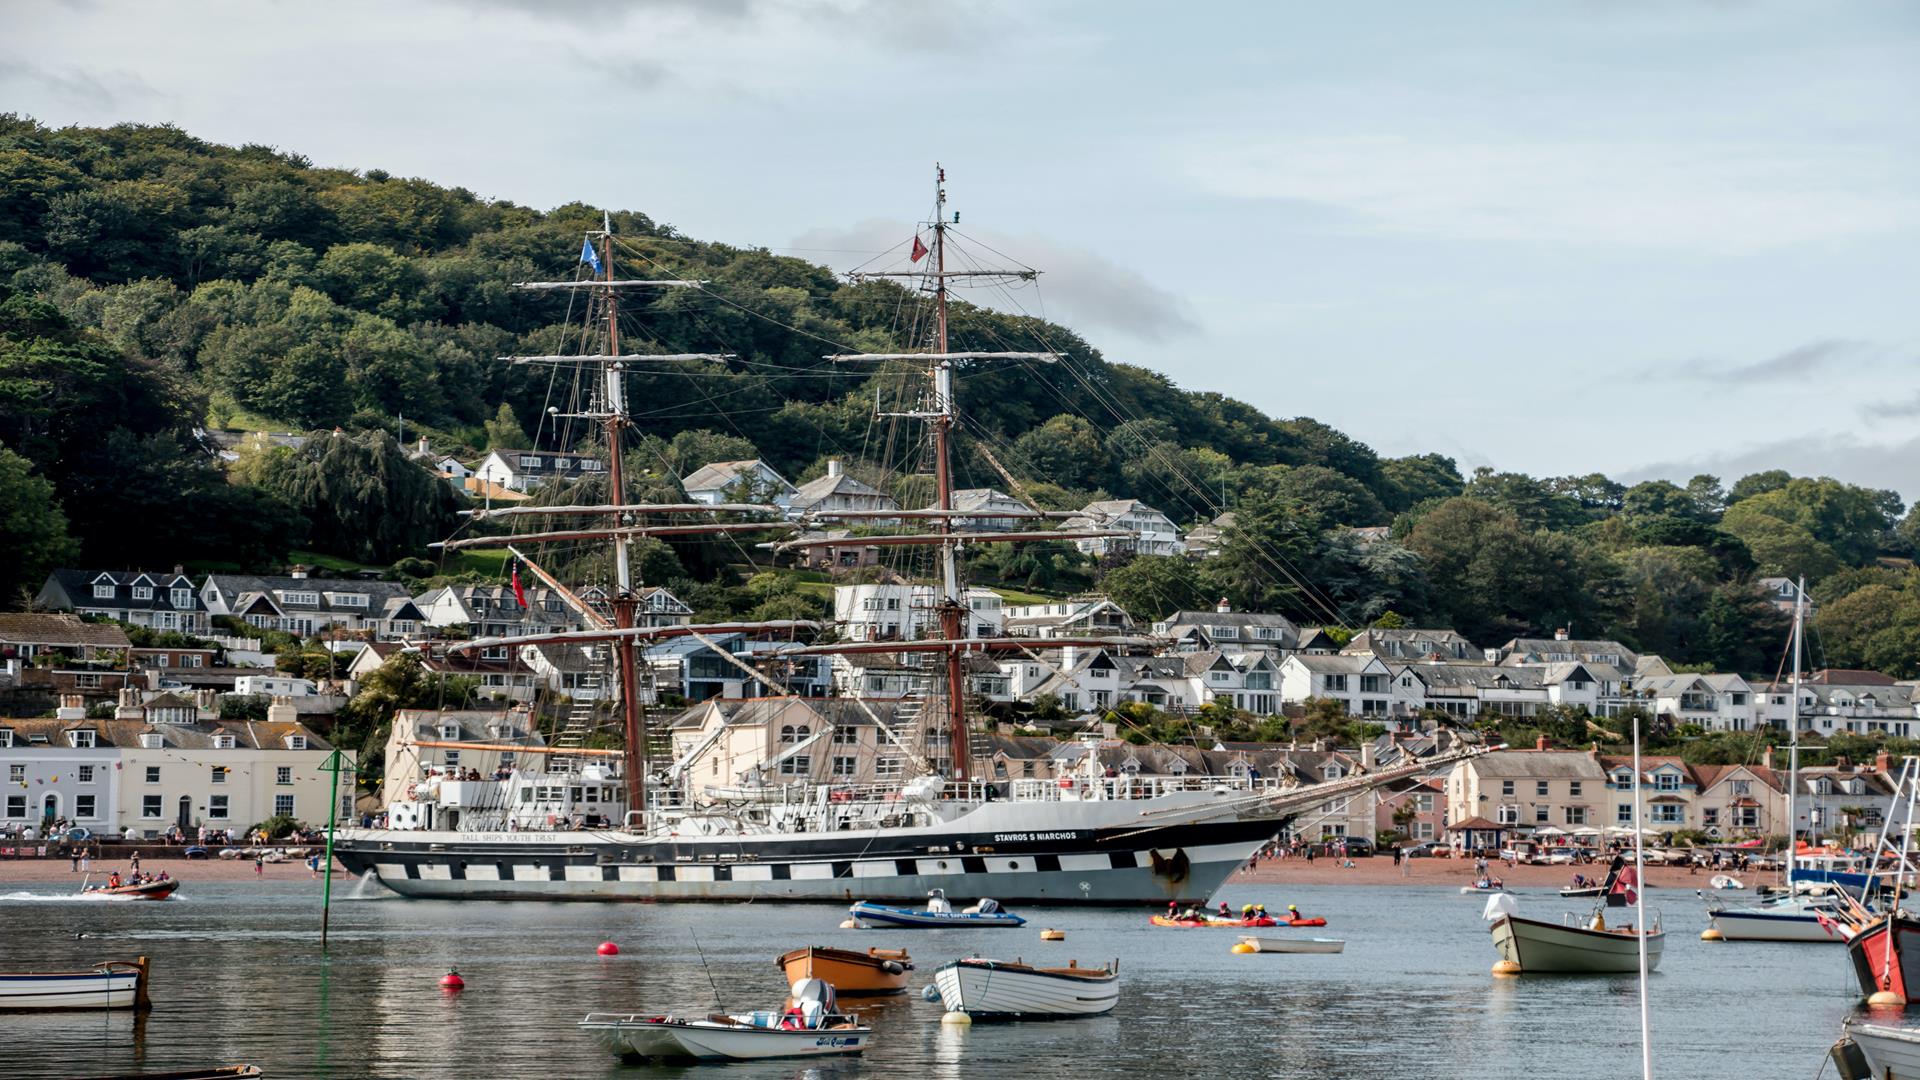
x=750, y=481
x=1364, y=684
x=524, y=470
x=1715, y=702
x=1153, y=533
x=899, y=612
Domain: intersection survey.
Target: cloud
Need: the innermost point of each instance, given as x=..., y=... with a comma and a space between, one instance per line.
x=1727, y=198
x=1894, y=410
x=1844, y=457
x=1081, y=287
x=1799, y=362
x=107, y=91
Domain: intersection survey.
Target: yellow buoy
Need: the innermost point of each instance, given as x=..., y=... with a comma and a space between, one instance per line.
x=956, y=1018
x=1053, y=935
x=1884, y=998
x=1710, y=934
x=1243, y=948
x=1506, y=967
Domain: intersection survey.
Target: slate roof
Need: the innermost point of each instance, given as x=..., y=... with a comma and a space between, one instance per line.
x=247, y=734
x=68, y=631
x=822, y=488
x=74, y=588
x=719, y=475
x=233, y=587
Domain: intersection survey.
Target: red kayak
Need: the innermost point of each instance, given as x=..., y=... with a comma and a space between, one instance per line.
x=1306, y=922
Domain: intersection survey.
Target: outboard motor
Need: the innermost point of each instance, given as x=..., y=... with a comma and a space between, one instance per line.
x=815, y=999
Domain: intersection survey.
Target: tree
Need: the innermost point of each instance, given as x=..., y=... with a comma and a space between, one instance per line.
x=1536, y=504
x=363, y=498
x=1852, y=522
x=1780, y=548
x=1758, y=484
x=1492, y=578
x=504, y=431
x=1418, y=478
x=33, y=531
x=1152, y=586
x=1065, y=450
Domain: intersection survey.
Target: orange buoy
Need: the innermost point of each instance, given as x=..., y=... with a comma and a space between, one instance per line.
x=452, y=980
x=608, y=948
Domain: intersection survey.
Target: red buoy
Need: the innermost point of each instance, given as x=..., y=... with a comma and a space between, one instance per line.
x=452, y=980
x=608, y=948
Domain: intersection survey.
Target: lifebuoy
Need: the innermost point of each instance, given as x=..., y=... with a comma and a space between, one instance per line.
x=410, y=790
x=1066, y=783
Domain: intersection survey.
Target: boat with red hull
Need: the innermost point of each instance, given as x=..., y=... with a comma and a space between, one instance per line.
x=1886, y=955
x=147, y=890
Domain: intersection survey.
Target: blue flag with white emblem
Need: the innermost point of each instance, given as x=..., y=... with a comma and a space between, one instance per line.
x=589, y=256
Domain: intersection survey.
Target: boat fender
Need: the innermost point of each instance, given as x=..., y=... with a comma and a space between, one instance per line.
x=1849, y=1061
x=931, y=992
x=892, y=967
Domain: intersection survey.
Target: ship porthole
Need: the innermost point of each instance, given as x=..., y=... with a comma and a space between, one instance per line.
x=943, y=864
x=1011, y=865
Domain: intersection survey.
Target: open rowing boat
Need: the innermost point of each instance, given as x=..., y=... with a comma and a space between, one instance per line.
x=116, y=984
x=853, y=974
x=1295, y=945
x=1002, y=990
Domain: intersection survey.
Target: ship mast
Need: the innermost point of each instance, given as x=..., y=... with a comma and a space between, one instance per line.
x=623, y=602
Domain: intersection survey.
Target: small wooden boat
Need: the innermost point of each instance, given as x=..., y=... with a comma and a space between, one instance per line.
x=1876, y=1052
x=116, y=984
x=148, y=890
x=1295, y=945
x=1539, y=947
x=210, y=1073
x=1725, y=881
x=1002, y=990
x=938, y=912
x=853, y=974
x=807, y=1027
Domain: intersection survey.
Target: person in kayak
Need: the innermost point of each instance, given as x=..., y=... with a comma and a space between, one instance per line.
x=1293, y=914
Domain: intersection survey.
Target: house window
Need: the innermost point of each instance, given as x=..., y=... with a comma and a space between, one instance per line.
x=1423, y=804
x=152, y=741
x=797, y=765
x=346, y=600
x=219, y=775
x=143, y=592
x=1573, y=788
x=1576, y=815
x=1506, y=787
x=844, y=766
x=1337, y=683
x=217, y=807
x=1542, y=814
x=1746, y=817
x=182, y=598
x=85, y=774
x=792, y=734
x=83, y=806
x=453, y=759
x=846, y=736
x=153, y=774
x=1710, y=816
x=890, y=767
x=87, y=680
x=223, y=742
x=1666, y=782
x=1507, y=815
x=1623, y=814
x=16, y=774
x=1742, y=787
x=283, y=806
x=1668, y=814
x=103, y=592
x=308, y=599
x=283, y=774
x=16, y=806
x=150, y=806
x=296, y=742
x=1540, y=787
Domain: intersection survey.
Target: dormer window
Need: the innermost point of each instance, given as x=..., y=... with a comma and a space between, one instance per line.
x=223, y=742
x=6, y=737
x=143, y=592
x=296, y=742
x=81, y=739
x=152, y=740
x=449, y=731
x=182, y=597
x=308, y=599
x=103, y=591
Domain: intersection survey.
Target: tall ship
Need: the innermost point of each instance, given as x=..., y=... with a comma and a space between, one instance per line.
x=633, y=822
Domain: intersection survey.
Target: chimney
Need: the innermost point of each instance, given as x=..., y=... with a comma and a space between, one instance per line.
x=281, y=711
x=1367, y=756
x=1540, y=742
x=1882, y=762
x=72, y=707
x=297, y=572
x=207, y=701
x=1223, y=607
x=179, y=570
x=1766, y=759
x=128, y=706
x=1560, y=634
x=833, y=466
x=423, y=446
x=1842, y=763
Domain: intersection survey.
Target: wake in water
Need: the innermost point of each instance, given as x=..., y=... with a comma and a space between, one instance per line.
x=369, y=888
x=84, y=898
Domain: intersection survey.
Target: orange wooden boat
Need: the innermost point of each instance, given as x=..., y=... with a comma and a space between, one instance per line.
x=853, y=974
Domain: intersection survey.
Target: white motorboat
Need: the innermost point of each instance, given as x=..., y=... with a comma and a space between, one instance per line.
x=1003, y=990
x=1783, y=918
x=117, y=984
x=1295, y=945
x=1877, y=1052
x=807, y=1027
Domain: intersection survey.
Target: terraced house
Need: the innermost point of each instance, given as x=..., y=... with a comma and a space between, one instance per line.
x=309, y=606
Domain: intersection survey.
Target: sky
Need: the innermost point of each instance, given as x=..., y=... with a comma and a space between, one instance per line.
x=1649, y=238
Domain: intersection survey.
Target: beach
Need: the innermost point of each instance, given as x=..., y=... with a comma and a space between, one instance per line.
x=1380, y=870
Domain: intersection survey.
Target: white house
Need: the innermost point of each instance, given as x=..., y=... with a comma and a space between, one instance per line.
x=1153, y=532
x=524, y=470
x=494, y=611
x=1082, y=616
x=751, y=481
x=163, y=601
x=274, y=686
x=838, y=491
x=1225, y=628
x=1715, y=702
x=308, y=606
x=989, y=502
x=891, y=612
x=1363, y=684
x=1391, y=645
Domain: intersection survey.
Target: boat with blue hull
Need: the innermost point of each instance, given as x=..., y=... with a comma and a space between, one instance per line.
x=938, y=914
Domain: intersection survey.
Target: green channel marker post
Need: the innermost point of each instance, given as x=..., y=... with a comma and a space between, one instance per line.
x=334, y=762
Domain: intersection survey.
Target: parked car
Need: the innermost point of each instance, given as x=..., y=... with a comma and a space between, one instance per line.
x=1427, y=849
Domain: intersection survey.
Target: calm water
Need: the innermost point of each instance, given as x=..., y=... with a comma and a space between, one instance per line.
x=238, y=977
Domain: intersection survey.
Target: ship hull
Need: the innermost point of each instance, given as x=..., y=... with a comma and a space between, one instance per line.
x=1107, y=858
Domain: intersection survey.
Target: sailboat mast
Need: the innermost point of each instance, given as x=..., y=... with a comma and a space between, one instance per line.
x=952, y=606
x=623, y=602
x=1793, y=728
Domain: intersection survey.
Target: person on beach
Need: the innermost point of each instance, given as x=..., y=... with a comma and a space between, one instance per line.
x=135, y=860
x=313, y=866
x=259, y=866
x=75, y=867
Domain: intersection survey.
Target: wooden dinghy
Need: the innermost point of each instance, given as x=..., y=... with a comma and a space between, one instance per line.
x=852, y=973
x=1001, y=990
x=210, y=1073
x=116, y=984
x=1295, y=945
